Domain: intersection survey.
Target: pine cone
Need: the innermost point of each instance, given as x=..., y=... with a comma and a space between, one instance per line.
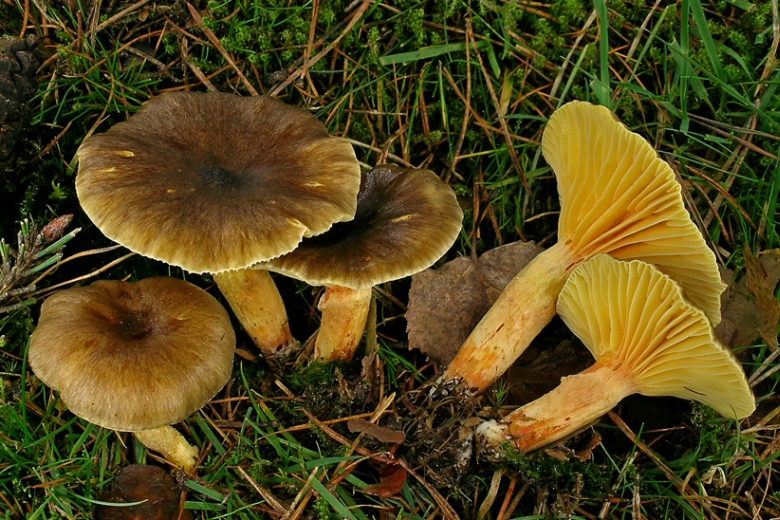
x=19, y=60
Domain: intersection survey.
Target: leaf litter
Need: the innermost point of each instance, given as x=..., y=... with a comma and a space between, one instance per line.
x=750, y=309
x=151, y=491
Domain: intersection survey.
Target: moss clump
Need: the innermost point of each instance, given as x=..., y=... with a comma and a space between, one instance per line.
x=326, y=391
x=559, y=475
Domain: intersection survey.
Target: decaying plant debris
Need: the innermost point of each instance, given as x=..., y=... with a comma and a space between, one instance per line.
x=37, y=248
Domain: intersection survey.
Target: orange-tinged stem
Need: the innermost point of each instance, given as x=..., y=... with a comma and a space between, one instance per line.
x=522, y=310
x=578, y=401
x=258, y=305
x=171, y=444
x=344, y=313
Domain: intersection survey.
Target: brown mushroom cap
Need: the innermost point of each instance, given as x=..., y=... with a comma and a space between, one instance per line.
x=406, y=219
x=631, y=315
x=133, y=355
x=212, y=181
x=619, y=197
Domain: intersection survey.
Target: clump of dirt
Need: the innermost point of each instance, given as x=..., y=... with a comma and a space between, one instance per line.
x=439, y=423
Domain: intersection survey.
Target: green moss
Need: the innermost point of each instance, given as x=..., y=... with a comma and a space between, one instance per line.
x=374, y=50
x=218, y=9
x=547, y=41
x=758, y=17
x=322, y=509
x=573, y=12
x=412, y=23
x=559, y=476
x=312, y=375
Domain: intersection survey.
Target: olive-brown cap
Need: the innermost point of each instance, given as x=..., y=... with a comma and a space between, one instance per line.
x=619, y=197
x=133, y=355
x=213, y=181
x=406, y=219
x=635, y=316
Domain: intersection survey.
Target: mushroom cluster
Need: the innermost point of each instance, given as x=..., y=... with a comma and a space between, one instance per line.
x=633, y=279
x=617, y=197
x=238, y=187
x=214, y=182
x=646, y=337
x=218, y=183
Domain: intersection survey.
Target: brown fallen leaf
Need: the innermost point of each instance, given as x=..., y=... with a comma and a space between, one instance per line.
x=446, y=304
x=136, y=483
x=391, y=481
x=750, y=309
x=764, y=290
x=377, y=432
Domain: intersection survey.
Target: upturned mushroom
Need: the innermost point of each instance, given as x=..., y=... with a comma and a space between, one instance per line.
x=646, y=338
x=406, y=219
x=617, y=196
x=135, y=356
x=213, y=182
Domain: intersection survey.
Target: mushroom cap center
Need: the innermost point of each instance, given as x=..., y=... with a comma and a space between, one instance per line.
x=216, y=177
x=135, y=325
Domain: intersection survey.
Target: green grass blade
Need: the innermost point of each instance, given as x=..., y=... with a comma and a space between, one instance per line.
x=601, y=86
x=203, y=490
x=570, y=80
x=706, y=38
x=210, y=435
x=335, y=503
x=426, y=53
x=653, y=35
x=774, y=190
x=683, y=64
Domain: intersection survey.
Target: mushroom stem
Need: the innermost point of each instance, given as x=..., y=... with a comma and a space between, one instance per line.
x=522, y=310
x=344, y=313
x=171, y=444
x=255, y=300
x=579, y=400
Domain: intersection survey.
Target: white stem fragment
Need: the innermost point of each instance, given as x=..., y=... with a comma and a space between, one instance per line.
x=171, y=444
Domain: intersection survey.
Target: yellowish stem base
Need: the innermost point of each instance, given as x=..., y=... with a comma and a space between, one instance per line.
x=344, y=313
x=171, y=444
x=522, y=310
x=257, y=304
x=578, y=401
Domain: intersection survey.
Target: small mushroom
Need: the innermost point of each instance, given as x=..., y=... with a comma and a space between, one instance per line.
x=135, y=356
x=617, y=197
x=406, y=219
x=646, y=338
x=213, y=182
